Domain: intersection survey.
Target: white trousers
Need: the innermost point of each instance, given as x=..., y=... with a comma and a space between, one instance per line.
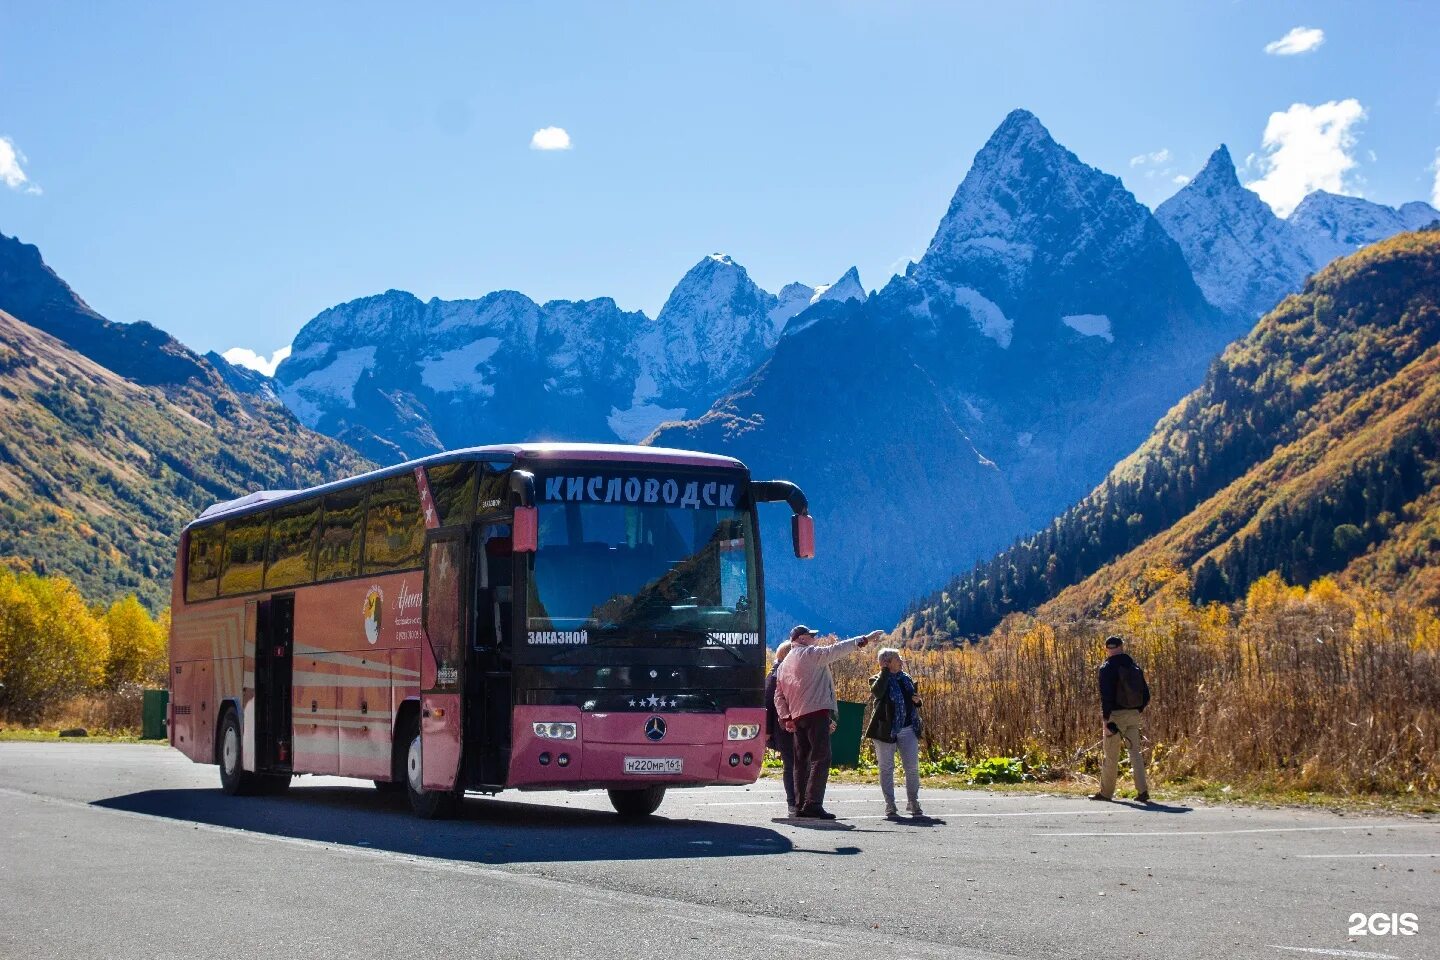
x=909, y=746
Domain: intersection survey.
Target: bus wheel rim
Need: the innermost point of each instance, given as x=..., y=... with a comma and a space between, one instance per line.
x=412, y=765
x=231, y=749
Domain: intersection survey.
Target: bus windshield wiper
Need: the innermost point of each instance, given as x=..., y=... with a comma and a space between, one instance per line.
x=712, y=641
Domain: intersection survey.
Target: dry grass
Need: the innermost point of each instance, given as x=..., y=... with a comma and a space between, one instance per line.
x=110, y=713
x=1319, y=690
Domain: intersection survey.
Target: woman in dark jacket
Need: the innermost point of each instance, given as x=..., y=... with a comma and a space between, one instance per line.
x=895, y=723
x=777, y=738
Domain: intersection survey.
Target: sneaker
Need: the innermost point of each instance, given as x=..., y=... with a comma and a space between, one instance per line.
x=816, y=813
x=1099, y=796
x=913, y=808
x=890, y=810
x=793, y=810
x=1143, y=797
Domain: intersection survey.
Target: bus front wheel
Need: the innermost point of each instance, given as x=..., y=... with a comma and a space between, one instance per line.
x=427, y=804
x=637, y=803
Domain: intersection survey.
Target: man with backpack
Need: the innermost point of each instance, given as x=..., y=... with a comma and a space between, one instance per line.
x=1124, y=695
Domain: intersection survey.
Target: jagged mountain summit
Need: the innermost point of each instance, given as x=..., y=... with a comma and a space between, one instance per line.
x=398, y=377
x=1246, y=259
x=1048, y=326
x=1310, y=449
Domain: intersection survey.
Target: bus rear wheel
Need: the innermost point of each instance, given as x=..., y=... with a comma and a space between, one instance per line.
x=637, y=803
x=427, y=804
x=235, y=780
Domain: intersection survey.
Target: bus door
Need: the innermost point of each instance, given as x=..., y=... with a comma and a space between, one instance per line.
x=274, y=650
x=441, y=718
x=488, y=691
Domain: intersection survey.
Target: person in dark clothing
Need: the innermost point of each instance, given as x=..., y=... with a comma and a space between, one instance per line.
x=895, y=726
x=777, y=738
x=1124, y=695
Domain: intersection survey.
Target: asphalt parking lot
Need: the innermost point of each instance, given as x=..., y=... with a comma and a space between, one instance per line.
x=113, y=851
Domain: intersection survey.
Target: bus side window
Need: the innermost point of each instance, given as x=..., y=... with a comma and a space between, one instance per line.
x=394, y=528
x=292, y=545
x=202, y=567
x=338, y=553
x=492, y=587
x=244, y=555
x=452, y=488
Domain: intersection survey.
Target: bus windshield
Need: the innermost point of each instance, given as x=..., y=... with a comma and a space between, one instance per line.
x=618, y=570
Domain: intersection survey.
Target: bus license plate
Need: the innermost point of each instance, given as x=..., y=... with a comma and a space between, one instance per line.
x=645, y=765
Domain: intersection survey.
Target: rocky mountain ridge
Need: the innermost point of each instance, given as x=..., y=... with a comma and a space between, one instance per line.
x=1246, y=259
x=398, y=377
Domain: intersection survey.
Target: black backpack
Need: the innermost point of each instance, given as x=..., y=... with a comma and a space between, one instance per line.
x=1131, y=691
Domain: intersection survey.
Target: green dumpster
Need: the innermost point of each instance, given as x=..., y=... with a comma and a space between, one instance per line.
x=845, y=741
x=152, y=714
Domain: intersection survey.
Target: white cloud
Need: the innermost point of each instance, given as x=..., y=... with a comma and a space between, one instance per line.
x=1159, y=156
x=1179, y=179
x=1299, y=40
x=1435, y=190
x=245, y=357
x=1307, y=148
x=550, y=138
x=11, y=173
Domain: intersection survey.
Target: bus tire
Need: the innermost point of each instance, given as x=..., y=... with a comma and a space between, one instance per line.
x=426, y=804
x=637, y=803
x=235, y=780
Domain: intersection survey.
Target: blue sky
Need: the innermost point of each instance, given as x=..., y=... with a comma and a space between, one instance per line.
x=228, y=171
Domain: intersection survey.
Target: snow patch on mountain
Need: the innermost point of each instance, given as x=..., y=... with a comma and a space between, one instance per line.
x=1090, y=325
x=639, y=421
x=458, y=370
x=988, y=317
x=331, y=383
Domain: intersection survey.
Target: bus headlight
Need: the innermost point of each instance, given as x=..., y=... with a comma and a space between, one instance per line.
x=742, y=731
x=555, y=731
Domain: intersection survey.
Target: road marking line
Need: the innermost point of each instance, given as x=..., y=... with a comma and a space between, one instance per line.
x=1360, y=856
x=1338, y=953
x=1210, y=833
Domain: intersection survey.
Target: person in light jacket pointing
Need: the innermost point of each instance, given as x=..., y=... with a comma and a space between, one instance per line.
x=804, y=701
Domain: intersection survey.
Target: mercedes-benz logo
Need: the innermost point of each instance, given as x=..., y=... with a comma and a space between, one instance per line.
x=655, y=728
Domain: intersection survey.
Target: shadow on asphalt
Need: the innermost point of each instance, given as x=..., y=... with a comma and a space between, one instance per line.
x=1152, y=807
x=486, y=831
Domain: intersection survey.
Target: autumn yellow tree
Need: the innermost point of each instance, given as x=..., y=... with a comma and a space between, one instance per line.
x=51, y=645
x=137, y=645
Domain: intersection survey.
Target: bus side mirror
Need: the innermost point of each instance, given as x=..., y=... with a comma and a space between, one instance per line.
x=526, y=531
x=802, y=532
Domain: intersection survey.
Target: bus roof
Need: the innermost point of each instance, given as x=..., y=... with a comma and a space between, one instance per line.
x=509, y=452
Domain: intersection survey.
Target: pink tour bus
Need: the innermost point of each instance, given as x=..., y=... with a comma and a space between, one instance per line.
x=535, y=616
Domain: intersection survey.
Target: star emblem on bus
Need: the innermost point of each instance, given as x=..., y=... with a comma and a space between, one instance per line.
x=653, y=702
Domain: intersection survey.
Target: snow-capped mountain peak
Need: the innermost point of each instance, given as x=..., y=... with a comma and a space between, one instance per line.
x=1243, y=256
x=1332, y=225
x=848, y=287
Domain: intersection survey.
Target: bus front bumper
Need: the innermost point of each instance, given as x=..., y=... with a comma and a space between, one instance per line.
x=634, y=749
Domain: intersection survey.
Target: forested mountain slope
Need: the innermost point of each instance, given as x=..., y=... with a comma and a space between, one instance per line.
x=1312, y=448
x=98, y=473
